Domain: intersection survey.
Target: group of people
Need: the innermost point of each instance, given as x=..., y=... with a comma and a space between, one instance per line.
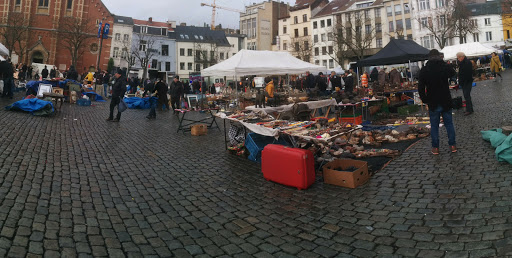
x=323, y=84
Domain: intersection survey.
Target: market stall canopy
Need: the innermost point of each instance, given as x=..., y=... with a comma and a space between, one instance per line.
x=2, y=59
x=397, y=51
x=252, y=62
x=473, y=49
x=3, y=50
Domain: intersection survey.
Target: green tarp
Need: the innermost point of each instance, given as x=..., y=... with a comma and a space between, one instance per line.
x=501, y=142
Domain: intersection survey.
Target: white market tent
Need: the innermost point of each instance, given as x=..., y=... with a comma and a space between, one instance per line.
x=3, y=50
x=1, y=58
x=474, y=49
x=252, y=62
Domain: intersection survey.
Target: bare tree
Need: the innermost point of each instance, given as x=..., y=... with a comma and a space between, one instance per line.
x=15, y=33
x=206, y=53
x=461, y=20
x=127, y=54
x=302, y=47
x=143, y=51
x=442, y=28
x=353, y=38
x=75, y=35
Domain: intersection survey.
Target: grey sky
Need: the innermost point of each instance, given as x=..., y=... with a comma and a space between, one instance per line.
x=188, y=11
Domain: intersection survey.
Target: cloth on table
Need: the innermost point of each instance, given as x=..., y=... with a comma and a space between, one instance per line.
x=34, y=106
x=284, y=108
x=254, y=127
x=99, y=98
x=501, y=142
x=139, y=103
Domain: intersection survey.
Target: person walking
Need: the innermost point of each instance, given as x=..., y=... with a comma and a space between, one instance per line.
x=118, y=91
x=162, y=90
x=466, y=80
x=176, y=93
x=434, y=90
x=496, y=66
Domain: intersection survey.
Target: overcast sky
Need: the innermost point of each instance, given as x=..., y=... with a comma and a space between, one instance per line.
x=188, y=11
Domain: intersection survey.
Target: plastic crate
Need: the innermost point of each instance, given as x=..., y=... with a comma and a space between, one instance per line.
x=255, y=144
x=83, y=102
x=356, y=121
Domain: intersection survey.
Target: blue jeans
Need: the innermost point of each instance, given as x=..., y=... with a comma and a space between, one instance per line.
x=105, y=88
x=152, y=103
x=435, y=119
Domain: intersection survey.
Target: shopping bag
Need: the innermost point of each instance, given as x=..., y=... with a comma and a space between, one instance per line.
x=122, y=106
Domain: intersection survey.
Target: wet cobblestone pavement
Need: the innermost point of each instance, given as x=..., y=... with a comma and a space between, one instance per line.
x=74, y=185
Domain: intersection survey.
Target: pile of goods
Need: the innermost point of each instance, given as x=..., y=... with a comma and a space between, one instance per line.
x=403, y=87
x=378, y=137
x=251, y=116
x=346, y=97
x=406, y=121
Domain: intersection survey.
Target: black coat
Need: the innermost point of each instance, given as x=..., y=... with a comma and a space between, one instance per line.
x=465, y=72
x=162, y=89
x=321, y=82
x=44, y=73
x=374, y=76
x=53, y=73
x=433, y=84
x=310, y=81
x=349, y=83
x=176, y=89
x=119, y=87
x=335, y=81
x=72, y=75
x=6, y=70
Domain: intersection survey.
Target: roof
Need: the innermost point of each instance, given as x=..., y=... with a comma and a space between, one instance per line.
x=152, y=24
x=397, y=51
x=123, y=20
x=303, y=4
x=332, y=7
x=200, y=35
x=236, y=35
x=484, y=9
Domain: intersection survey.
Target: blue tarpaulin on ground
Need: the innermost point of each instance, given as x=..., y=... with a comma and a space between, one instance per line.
x=36, y=107
x=99, y=98
x=33, y=86
x=138, y=103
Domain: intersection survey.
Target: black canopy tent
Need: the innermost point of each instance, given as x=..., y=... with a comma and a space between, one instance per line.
x=397, y=51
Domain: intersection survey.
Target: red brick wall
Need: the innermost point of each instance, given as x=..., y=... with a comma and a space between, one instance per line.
x=45, y=26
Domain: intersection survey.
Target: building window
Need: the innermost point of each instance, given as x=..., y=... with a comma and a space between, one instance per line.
x=508, y=34
x=285, y=46
x=144, y=29
x=378, y=27
x=306, y=45
x=488, y=35
x=167, y=66
x=440, y=3
x=305, y=18
x=427, y=42
x=315, y=25
x=329, y=22
x=295, y=20
x=368, y=29
x=424, y=22
x=296, y=33
x=389, y=10
x=398, y=9
x=116, y=52
x=198, y=67
x=182, y=66
x=379, y=43
x=487, y=21
x=315, y=38
x=408, y=24
x=347, y=17
x=143, y=45
x=331, y=63
x=317, y=62
x=126, y=37
x=189, y=52
x=331, y=50
x=297, y=47
x=442, y=21
x=377, y=12
x=221, y=56
x=285, y=29
x=254, y=30
x=189, y=66
x=182, y=52
x=476, y=37
x=424, y=4
x=391, y=27
x=317, y=51
x=43, y=3
x=399, y=25
x=407, y=9
x=322, y=37
x=367, y=14
x=324, y=63
x=322, y=24
x=324, y=50
x=409, y=36
x=69, y=4
x=118, y=36
x=305, y=31
x=330, y=36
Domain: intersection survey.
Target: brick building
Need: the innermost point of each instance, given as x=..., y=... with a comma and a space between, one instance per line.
x=43, y=20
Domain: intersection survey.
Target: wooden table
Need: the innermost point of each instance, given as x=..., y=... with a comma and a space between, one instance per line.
x=58, y=98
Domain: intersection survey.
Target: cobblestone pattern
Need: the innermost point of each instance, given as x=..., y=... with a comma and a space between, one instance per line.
x=74, y=185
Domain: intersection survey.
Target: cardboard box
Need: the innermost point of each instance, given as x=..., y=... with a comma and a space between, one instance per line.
x=334, y=173
x=198, y=130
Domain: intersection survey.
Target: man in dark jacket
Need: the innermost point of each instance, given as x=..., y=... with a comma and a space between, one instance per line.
x=176, y=93
x=7, y=74
x=118, y=91
x=322, y=83
x=466, y=80
x=374, y=75
x=349, y=82
x=310, y=82
x=53, y=72
x=434, y=90
x=162, y=90
x=72, y=74
x=44, y=73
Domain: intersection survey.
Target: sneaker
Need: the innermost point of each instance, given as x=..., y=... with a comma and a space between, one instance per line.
x=435, y=151
x=453, y=148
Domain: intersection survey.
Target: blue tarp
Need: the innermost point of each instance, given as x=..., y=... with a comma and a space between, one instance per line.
x=138, y=103
x=99, y=98
x=34, y=106
x=33, y=86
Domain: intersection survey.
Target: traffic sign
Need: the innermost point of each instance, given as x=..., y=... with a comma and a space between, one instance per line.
x=99, y=30
x=106, y=29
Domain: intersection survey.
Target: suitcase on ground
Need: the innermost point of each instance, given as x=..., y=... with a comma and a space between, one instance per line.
x=288, y=166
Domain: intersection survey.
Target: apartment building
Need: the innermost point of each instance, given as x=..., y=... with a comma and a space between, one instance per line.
x=122, y=33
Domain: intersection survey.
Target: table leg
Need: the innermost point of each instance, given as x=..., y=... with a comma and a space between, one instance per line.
x=180, y=126
x=225, y=135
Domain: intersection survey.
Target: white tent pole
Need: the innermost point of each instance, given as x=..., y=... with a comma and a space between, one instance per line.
x=410, y=70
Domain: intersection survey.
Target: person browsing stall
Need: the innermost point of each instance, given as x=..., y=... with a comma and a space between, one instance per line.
x=466, y=80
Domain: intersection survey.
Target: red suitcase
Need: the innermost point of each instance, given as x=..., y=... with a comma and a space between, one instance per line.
x=288, y=166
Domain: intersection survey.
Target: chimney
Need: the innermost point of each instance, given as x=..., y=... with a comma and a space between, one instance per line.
x=183, y=24
x=150, y=19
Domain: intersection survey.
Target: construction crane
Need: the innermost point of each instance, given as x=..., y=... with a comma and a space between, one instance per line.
x=214, y=7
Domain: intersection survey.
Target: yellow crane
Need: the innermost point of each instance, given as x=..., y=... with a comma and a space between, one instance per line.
x=214, y=7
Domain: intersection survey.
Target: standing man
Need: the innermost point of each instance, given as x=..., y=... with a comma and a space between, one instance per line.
x=106, y=82
x=44, y=73
x=335, y=81
x=349, y=82
x=310, y=82
x=466, y=80
x=162, y=90
x=53, y=72
x=99, y=84
x=434, y=90
x=118, y=90
x=149, y=90
x=7, y=73
x=176, y=93
x=382, y=77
